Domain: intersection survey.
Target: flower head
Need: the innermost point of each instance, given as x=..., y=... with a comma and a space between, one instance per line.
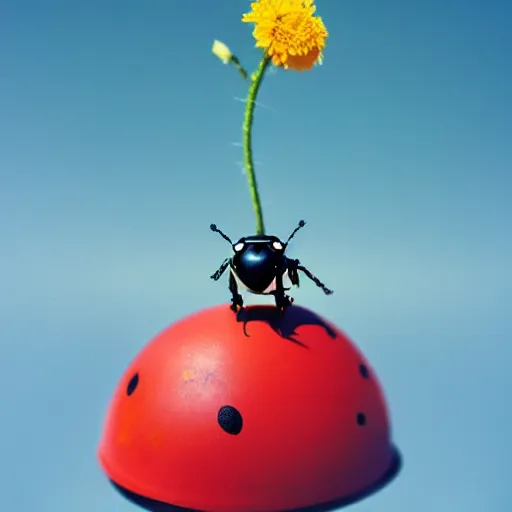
x=289, y=32
x=220, y=50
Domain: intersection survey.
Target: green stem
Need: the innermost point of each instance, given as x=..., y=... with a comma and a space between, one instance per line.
x=256, y=80
x=239, y=67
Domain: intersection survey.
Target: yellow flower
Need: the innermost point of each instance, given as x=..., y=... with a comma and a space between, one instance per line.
x=220, y=50
x=288, y=31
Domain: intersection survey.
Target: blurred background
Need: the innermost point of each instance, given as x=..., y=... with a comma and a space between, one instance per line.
x=120, y=142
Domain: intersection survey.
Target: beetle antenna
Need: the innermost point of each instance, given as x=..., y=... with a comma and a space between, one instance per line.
x=302, y=223
x=215, y=229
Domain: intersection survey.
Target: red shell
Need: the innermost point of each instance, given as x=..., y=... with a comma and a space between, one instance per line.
x=302, y=388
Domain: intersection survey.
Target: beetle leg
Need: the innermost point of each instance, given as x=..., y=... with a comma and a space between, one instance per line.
x=315, y=279
x=282, y=300
x=236, y=300
x=221, y=270
x=293, y=273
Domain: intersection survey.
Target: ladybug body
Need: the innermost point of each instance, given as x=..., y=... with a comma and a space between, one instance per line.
x=259, y=265
x=259, y=411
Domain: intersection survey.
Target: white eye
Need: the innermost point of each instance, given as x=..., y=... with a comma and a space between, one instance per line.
x=238, y=247
x=278, y=246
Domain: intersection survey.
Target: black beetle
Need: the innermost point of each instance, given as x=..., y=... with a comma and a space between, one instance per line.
x=259, y=265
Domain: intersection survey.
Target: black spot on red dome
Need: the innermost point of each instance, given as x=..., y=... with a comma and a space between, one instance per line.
x=363, y=370
x=361, y=419
x=230, y=420
x=132, y=385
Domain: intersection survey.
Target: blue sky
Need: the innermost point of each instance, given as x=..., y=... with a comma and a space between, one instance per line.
x=119, y=132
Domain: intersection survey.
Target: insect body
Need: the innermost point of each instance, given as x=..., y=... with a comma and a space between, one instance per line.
x=259, y=264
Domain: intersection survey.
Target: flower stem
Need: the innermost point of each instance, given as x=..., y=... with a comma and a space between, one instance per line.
x=256, y=80
x=239, y=67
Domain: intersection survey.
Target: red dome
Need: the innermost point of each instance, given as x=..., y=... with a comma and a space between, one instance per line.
x=252, y=412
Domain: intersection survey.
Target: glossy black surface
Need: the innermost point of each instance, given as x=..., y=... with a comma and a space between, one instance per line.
x=258, y=263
